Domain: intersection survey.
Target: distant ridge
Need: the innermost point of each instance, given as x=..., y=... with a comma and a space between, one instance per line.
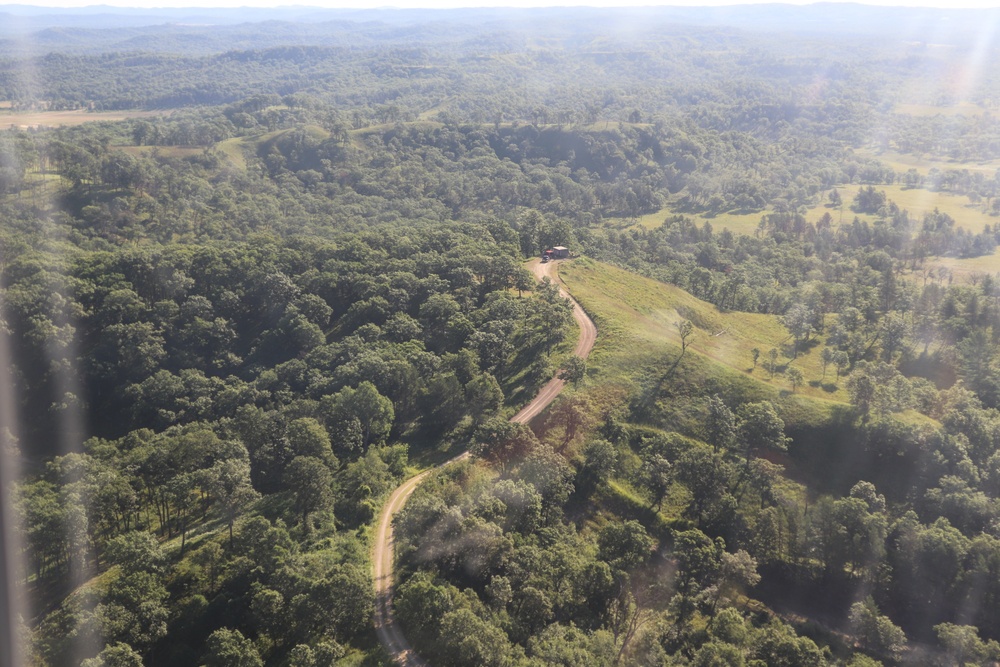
x=957, y=27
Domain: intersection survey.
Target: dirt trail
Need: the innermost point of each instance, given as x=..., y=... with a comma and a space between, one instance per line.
x=388, y=630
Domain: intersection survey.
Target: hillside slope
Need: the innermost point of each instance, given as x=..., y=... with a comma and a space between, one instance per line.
x=643, y=314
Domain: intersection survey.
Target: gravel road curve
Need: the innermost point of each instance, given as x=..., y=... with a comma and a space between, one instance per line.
x=388, y=630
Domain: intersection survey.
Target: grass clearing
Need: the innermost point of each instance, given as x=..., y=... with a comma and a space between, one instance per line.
x=737, y=223
x=314, y=131
x=636, y=330
x=234, y=149
x=27, y=119
x=382, y=128
x=962, y=270
x=915, y=200
x=903, y=162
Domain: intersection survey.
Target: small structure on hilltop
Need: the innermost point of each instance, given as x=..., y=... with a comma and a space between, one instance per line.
x=560, y=252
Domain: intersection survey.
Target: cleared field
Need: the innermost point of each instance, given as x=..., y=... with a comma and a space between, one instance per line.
x=915, y=200
x=314, y=131
x=25, y=119
x=636, y=323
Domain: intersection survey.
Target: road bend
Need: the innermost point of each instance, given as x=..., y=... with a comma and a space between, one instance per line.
x=386, y=626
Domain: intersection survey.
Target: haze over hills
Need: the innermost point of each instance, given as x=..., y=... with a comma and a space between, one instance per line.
x=950, y=26
x=259, y=268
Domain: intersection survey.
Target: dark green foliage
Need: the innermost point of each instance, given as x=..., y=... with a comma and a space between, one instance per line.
x=229, y=648
x=262, y=302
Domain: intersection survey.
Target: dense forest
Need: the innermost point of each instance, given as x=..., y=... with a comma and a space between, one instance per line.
x=291, y=274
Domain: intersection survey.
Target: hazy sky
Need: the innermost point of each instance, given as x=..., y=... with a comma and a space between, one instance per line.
x=371, y=4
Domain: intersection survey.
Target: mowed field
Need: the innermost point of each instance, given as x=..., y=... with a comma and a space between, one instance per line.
x=25, y=119
x=636, y=319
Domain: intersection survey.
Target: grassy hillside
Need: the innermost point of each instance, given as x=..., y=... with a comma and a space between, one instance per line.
x=637, y=359
x=638, y=352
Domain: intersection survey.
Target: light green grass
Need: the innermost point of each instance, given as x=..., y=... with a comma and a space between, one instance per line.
x=916, y=201
x=314, y=131
x=737, y=223
x=961, y=270
x=636, y=323
x=165, y=151
x=903, y=162
x=384, y=127
x=234, y=149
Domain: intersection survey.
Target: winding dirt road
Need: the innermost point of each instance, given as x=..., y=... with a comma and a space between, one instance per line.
x=388, y=630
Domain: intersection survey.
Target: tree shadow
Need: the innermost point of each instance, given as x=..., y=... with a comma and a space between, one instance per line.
x=808, y=345
x=646, y=398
